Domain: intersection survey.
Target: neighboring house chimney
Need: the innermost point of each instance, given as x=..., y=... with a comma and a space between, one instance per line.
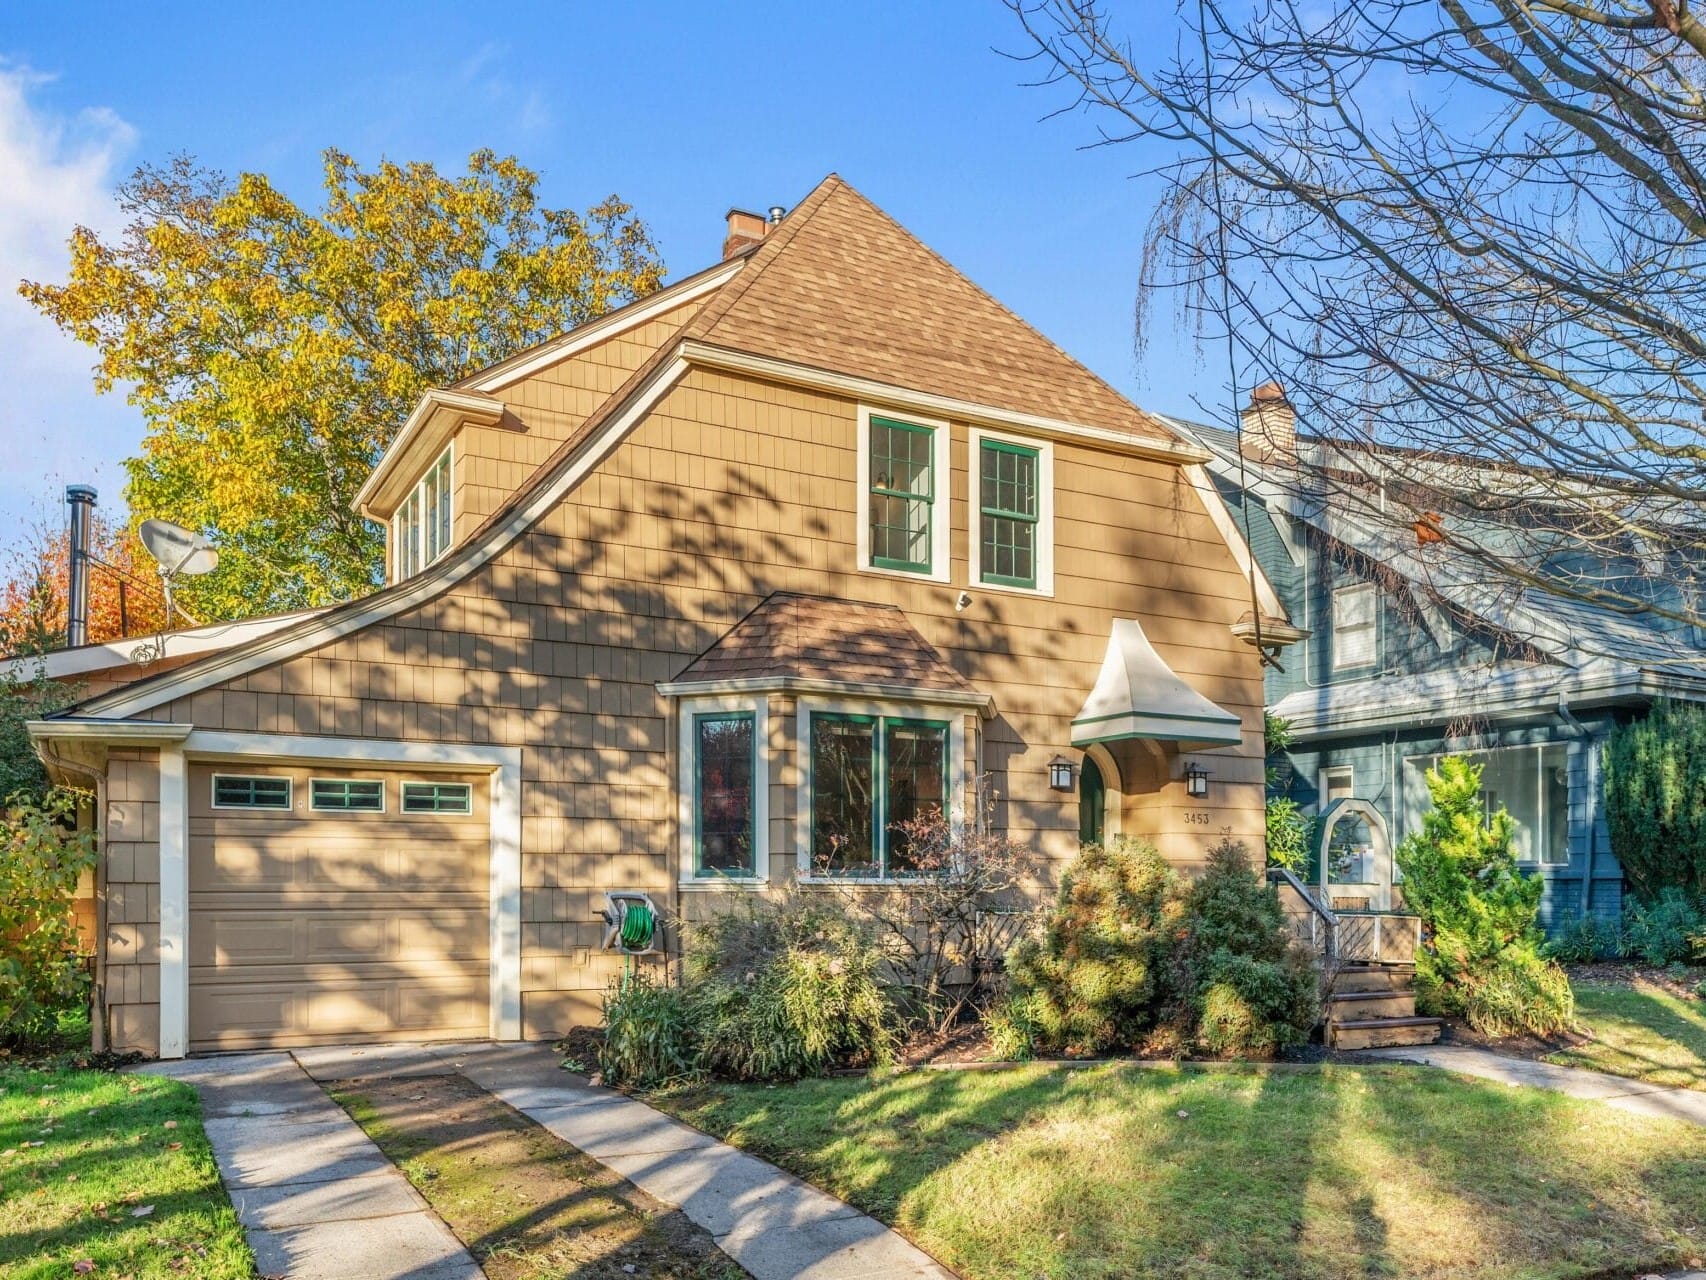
x=745, y=230
x=1269, y=424
x=81, y=499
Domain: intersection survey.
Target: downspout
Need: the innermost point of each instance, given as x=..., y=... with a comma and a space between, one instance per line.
x=1581, y=731
x=98, y=987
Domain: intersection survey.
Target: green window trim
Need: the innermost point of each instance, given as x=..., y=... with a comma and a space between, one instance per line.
x=1009, y=506
x=882, y=837
x=346, y=795
x=456, y=798
x=252, y=791
x=889, y=496
x=700, y=870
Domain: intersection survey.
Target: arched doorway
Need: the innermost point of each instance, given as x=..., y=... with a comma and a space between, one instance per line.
x=1092, y=803
x=1355, y=857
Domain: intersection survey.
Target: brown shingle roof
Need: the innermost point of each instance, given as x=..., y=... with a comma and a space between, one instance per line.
x=815, y=638
x=840, y=285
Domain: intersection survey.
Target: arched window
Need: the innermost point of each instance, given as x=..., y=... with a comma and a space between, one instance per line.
x=1092, y=802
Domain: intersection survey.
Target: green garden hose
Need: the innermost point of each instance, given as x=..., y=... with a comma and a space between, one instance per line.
x=638, y=927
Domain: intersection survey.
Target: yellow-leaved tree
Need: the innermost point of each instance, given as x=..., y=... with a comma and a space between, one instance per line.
x=274, y=351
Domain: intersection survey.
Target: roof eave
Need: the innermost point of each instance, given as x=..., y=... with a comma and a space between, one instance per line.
x=436, y=417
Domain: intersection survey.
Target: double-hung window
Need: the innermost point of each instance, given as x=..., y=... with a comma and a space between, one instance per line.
x=903, y=497
x=1009, y=498
x=724, y=800
x=420, y=531
x=873, y=778
x=1355, y=636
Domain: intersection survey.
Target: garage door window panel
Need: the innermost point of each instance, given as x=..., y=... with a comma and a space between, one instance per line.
x=232, y=791
x=438, y=797
x=346, y=795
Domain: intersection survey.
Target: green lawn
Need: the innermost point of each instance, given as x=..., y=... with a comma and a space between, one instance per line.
x=1119, y=1171
x=114, y=1171
x=1642, y=1031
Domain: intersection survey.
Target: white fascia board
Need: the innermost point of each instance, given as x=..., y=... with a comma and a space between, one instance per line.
x=887, y=395
x=440, y=577
x=64, y=664
x=1233, y=536
x=438, y=415
x=602, y=330
x=982, y=703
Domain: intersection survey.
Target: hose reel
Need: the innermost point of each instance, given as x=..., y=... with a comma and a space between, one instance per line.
x=630, y=923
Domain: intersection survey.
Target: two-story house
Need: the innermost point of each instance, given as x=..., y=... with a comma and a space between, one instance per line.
x=701, y=597
x=1413, y=649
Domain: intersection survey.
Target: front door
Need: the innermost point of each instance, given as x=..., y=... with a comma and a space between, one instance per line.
x=1355, y=857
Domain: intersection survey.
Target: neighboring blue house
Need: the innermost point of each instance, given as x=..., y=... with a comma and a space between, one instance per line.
x=1412, y=652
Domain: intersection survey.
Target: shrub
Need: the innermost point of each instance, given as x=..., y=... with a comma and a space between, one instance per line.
x=1584, y=940
x=1663, y=930
x=1482, y=958
x=787, y=988
x=1092, y=981
x=931, y=927
x=1290, y=831
x=1249, y=989
x=42, y=857
x=1655, y=799
x=1012, y=1027
x=648, y=1038
x=1520, y=992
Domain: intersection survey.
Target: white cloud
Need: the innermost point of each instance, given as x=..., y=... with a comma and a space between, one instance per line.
x=56, y=171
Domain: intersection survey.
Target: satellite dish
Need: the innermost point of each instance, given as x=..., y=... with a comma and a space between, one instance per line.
x=177, y=549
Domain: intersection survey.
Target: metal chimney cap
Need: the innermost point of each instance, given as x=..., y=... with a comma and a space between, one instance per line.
x=777, y=213
x=80, y=493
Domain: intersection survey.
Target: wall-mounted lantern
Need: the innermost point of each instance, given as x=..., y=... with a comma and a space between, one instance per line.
x=1196, y=781
x=1060, y=774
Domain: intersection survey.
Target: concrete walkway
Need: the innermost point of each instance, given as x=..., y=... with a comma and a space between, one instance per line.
x=773, y=1224
x=1615, y=1091
x=320, y=1202
x=317, y=1200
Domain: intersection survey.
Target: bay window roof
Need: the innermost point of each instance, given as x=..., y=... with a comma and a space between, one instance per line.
x=813, y=643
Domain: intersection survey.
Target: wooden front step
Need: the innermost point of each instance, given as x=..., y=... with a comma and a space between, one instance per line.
x=1380, y=1033
x=1352, y=978
x=1361, y=1006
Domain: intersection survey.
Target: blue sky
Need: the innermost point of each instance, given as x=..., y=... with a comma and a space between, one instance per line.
x=683, y=109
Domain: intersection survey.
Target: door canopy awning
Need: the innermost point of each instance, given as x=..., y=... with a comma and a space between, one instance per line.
x=1137, y=695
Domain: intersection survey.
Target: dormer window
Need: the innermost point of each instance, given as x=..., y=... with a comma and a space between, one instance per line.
x=420, y=531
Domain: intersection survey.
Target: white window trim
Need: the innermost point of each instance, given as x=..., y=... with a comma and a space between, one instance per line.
x=1340, y=662
x=417, y=494
x=434, y=813
x=955, y=717
x=941, y=506
x=316, y=808
x=1045, y=511
x=1329, y=772
x=758, y=706
x=502, y=763
x=289, y=805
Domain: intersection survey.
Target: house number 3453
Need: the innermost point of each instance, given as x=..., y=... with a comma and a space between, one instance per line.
x=1197, y=817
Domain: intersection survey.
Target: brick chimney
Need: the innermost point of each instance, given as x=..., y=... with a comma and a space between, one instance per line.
x=745, y=230
x=1269, y=425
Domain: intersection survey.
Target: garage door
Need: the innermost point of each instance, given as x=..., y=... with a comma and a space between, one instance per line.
x=336, y=905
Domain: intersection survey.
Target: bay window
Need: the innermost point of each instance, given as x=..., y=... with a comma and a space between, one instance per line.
x=724, y=769
x=872, y=777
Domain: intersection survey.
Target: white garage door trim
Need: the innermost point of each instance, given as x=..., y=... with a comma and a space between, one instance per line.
x=504, y=764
